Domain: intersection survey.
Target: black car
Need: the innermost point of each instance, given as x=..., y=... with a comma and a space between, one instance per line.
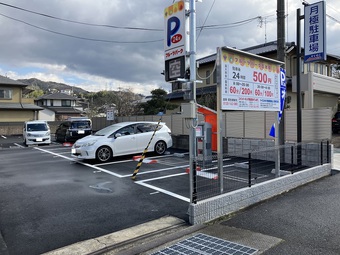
x=73, y=129
x=336, y=123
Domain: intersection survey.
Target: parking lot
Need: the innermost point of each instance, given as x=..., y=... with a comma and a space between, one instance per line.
x=48, y=200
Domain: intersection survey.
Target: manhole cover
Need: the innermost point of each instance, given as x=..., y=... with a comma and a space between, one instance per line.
x=206, y=245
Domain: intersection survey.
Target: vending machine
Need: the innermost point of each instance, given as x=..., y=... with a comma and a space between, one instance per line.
x=203, y=144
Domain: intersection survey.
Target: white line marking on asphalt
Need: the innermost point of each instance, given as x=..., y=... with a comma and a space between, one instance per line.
x=158, y=170
x=79, y=162
x=19, y=145
x=4, y=137
x=153, y=193
x=131, y=160
x=143, y=183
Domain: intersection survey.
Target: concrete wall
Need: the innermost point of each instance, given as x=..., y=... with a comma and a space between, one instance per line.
x=225, y=204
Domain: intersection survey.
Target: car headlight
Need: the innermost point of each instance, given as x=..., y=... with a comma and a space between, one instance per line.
x=47, y=134
x=29, y=134
x=89, y=143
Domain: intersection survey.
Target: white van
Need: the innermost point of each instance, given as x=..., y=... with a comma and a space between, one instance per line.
x=36, y=132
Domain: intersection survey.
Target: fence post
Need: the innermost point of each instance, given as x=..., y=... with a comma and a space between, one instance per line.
x=328, y=161
x=321, y=153
x=292, y=158
x=249, y=170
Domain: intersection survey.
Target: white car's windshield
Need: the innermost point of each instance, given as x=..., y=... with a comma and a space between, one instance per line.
x=108, y=130
x=37, y=127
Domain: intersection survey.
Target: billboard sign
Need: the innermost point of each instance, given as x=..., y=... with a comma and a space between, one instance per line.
x=249, y=82
x=315, y=32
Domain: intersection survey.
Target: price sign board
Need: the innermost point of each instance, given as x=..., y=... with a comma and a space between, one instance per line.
x=248, y=81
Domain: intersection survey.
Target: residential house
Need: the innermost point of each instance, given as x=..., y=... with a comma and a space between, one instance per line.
x=13, y=107
x=318, y=87
x=58, y=106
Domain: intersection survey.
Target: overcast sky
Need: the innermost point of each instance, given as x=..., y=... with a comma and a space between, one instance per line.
x=129, y=53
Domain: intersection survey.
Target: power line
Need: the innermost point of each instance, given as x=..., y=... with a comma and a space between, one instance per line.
x=222, y=26
x=79, y=37
x=199, y=33
x=78, y=22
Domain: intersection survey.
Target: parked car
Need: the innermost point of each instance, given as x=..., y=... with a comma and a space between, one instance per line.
x=36, y=132
x=122, y=139
x=73, y=129
x=336, y=123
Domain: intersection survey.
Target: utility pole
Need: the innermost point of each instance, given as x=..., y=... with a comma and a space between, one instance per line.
x=192, y=136
x=281, y=45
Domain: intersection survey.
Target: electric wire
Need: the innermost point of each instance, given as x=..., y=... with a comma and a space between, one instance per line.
x=78, y=22
x=79, y=37
x=206, y=18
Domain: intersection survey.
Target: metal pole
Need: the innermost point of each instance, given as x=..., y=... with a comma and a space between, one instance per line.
x=192, y=137
x=298, y=84
x=281, y=45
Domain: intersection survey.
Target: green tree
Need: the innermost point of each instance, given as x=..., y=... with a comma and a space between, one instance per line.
x=157, y=103
x=36, y=93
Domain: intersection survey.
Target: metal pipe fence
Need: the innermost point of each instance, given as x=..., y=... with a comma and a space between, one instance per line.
x=249, y=168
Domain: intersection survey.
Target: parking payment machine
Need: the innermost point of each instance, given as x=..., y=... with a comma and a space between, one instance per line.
x=203, y=143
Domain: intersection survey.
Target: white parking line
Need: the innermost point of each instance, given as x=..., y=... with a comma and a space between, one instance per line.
x=4, y=137
x=143, y=183
x=158, y=170
x=19, y=145
x=130, y=160
x=79, y=162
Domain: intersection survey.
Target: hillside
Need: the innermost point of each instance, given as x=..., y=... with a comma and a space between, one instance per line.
x=50, y=86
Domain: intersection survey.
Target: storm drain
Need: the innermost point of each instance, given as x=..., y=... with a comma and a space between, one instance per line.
x=206, y=245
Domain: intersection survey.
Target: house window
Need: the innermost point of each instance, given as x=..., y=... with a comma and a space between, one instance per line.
x=316, y=68
x=215, y=77
x=5, y=94
x=66, y=103
x=207, y=75
x=51, y=102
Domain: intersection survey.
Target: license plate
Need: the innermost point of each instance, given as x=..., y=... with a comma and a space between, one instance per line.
x=81, y=132
x=39, y=139
x=73, y=151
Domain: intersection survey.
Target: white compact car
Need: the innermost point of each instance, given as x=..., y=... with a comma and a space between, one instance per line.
x=36, y=132
x=122, y=139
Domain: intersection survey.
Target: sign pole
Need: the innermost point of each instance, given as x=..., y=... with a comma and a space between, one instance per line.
x=192, y=137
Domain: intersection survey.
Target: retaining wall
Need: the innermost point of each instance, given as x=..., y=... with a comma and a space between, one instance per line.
x=225, y=204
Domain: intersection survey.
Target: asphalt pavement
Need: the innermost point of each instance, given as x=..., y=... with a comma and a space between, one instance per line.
x=305, y=220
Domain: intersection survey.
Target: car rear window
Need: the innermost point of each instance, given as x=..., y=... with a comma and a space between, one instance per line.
x=81, y=124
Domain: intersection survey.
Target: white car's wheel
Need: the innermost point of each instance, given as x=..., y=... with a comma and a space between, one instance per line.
x=104, y=154
x=160, y=147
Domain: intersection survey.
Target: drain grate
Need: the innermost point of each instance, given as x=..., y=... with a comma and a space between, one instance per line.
x=202, y=244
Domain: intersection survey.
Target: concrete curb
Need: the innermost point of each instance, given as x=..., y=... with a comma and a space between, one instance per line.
x=120, y=239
